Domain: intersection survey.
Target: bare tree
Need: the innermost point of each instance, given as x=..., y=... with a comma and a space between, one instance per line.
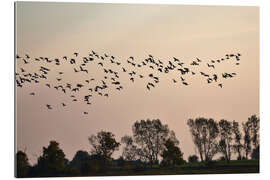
x=247, y=139
x=204, y=134
x=237, y=146
x=251, y=134
x=226, y=137
x=130, y=149
x=148, y=142
x=254, y=123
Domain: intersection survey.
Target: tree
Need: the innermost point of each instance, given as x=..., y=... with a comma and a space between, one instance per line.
x=80, y=161
x=226, y=137
x=256, y=153
x=103, y=144
x=193, y=158
x=130, y=149
x=247, y=139
x=22, y=164
x=251, y=134
x=254, y=124
x=204, y=134
x=237, y=146
x=52, y=161
x=150, y=137
x=172, y=154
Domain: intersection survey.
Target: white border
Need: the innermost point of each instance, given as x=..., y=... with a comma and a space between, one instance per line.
x=7, y=86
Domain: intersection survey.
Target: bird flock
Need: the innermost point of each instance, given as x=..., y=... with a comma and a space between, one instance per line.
x=150, y=69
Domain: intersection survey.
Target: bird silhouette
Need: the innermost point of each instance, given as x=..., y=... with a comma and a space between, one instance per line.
x=112, y=80
x=49, y=106
x=215, y=77
x=100, y=63
x=151, y=84
x=25, y=62
x=72, y=61
x=185, y=83
x=210, y=65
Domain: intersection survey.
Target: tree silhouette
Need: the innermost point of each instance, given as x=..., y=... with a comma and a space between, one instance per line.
x=226, y=137
x=52, y=161
x=247, y=139
x=22, y=164
x=103, y=144
x=256, y=153
x=150, y=137
x=254, y=123
x=204, y=134
x=80, y=162
x=130, y=149
x=193, y=158
x=251, y=134
x=171, y=154
x=237, y=146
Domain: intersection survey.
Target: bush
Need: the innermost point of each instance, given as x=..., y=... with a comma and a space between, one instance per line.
x=193, y=159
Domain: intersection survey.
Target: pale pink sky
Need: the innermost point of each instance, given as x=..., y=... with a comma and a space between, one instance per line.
x=165, y=31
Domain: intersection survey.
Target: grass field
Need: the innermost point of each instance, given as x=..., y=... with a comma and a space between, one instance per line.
x=220, y=167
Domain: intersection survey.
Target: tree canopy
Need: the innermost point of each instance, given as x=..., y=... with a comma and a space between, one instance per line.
x=148, y=141
x=226, y=138
x=103, y=144
x=22, y=164
x=52, y=162
x=171, y=154
x=204, y=134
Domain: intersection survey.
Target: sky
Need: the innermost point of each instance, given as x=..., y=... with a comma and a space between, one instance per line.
x=55, y=30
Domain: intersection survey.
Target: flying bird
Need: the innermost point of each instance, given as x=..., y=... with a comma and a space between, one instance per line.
x=185, y=83
x=49, y=106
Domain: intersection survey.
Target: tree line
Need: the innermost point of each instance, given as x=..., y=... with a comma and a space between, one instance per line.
x=152, y=144
x=225, y=137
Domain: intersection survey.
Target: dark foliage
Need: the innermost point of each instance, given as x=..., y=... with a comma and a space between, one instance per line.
x=193, y=159
x=22, y=164
x=256, y=153
x=153, y=149
x=52, y=162
x=171, y=155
